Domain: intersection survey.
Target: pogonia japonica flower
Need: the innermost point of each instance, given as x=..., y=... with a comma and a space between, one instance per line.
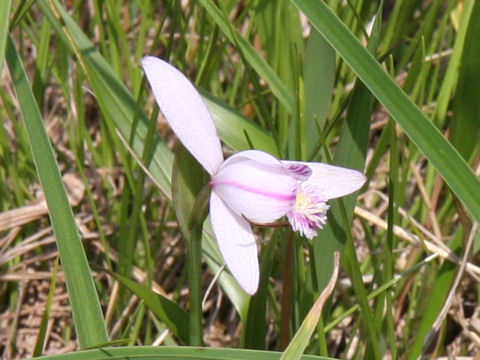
x=250, y=186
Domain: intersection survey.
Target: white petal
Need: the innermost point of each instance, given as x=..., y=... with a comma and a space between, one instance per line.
x=256, y=185
x=333, y=181
x=236, y=243
x=185, y=112
x=256, y=155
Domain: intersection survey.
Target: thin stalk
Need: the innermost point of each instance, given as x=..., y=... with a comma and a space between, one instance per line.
x=287, y=294
x=322, y=341
x=390, y=243
x=194, y=259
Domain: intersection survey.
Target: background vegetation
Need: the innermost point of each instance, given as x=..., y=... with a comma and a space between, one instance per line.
x=391, y=88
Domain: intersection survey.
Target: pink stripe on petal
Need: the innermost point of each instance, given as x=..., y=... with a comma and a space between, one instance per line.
x=262, y=191
x=251, y=189
x=300, y=171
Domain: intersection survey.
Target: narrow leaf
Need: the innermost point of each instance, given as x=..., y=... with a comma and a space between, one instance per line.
x=39, y=344
x=319, y=74
x=173, y=352
x=4, y=15
x=87, y=314
x=466, y=107
x=167, y=311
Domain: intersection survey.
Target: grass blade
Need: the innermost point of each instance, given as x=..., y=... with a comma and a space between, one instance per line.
x=451, y=74
x=434, y=301
x=174, y=353
x=466, y=110
x=170, y=313
x=112, y=95
x=235, y=130
x=254, y=335
x=86, y=310
x=319, y=75
x=251, y=55
x=40, y=343
x=4, y=14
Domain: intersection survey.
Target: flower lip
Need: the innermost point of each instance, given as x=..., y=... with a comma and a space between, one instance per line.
x=309, y=211
x=331, y=181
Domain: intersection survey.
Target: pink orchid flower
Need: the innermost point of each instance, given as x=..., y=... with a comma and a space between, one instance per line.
x=251, y=185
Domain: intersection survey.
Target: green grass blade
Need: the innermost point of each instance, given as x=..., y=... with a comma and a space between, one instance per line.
x=174, y=353
x=466, y=108
x=319, y=74
x=4, y=15
x=434, y=300
x=167, y=311
x=441, y=154
x=251, y=55
x=22, y=9
x=87, y=314
x=113, y=96
x=235, y=130
x=434, y=303
x=254, y=335
x=40, y=343
x=451, y=74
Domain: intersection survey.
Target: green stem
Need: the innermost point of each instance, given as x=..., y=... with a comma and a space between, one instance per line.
x=287, y=294
x=352, y=266
x=199, y=213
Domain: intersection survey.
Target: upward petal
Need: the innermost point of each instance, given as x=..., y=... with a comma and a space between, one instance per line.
x=332, y=181
x=236, y=243
x=256, y=185
x=185, y=112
